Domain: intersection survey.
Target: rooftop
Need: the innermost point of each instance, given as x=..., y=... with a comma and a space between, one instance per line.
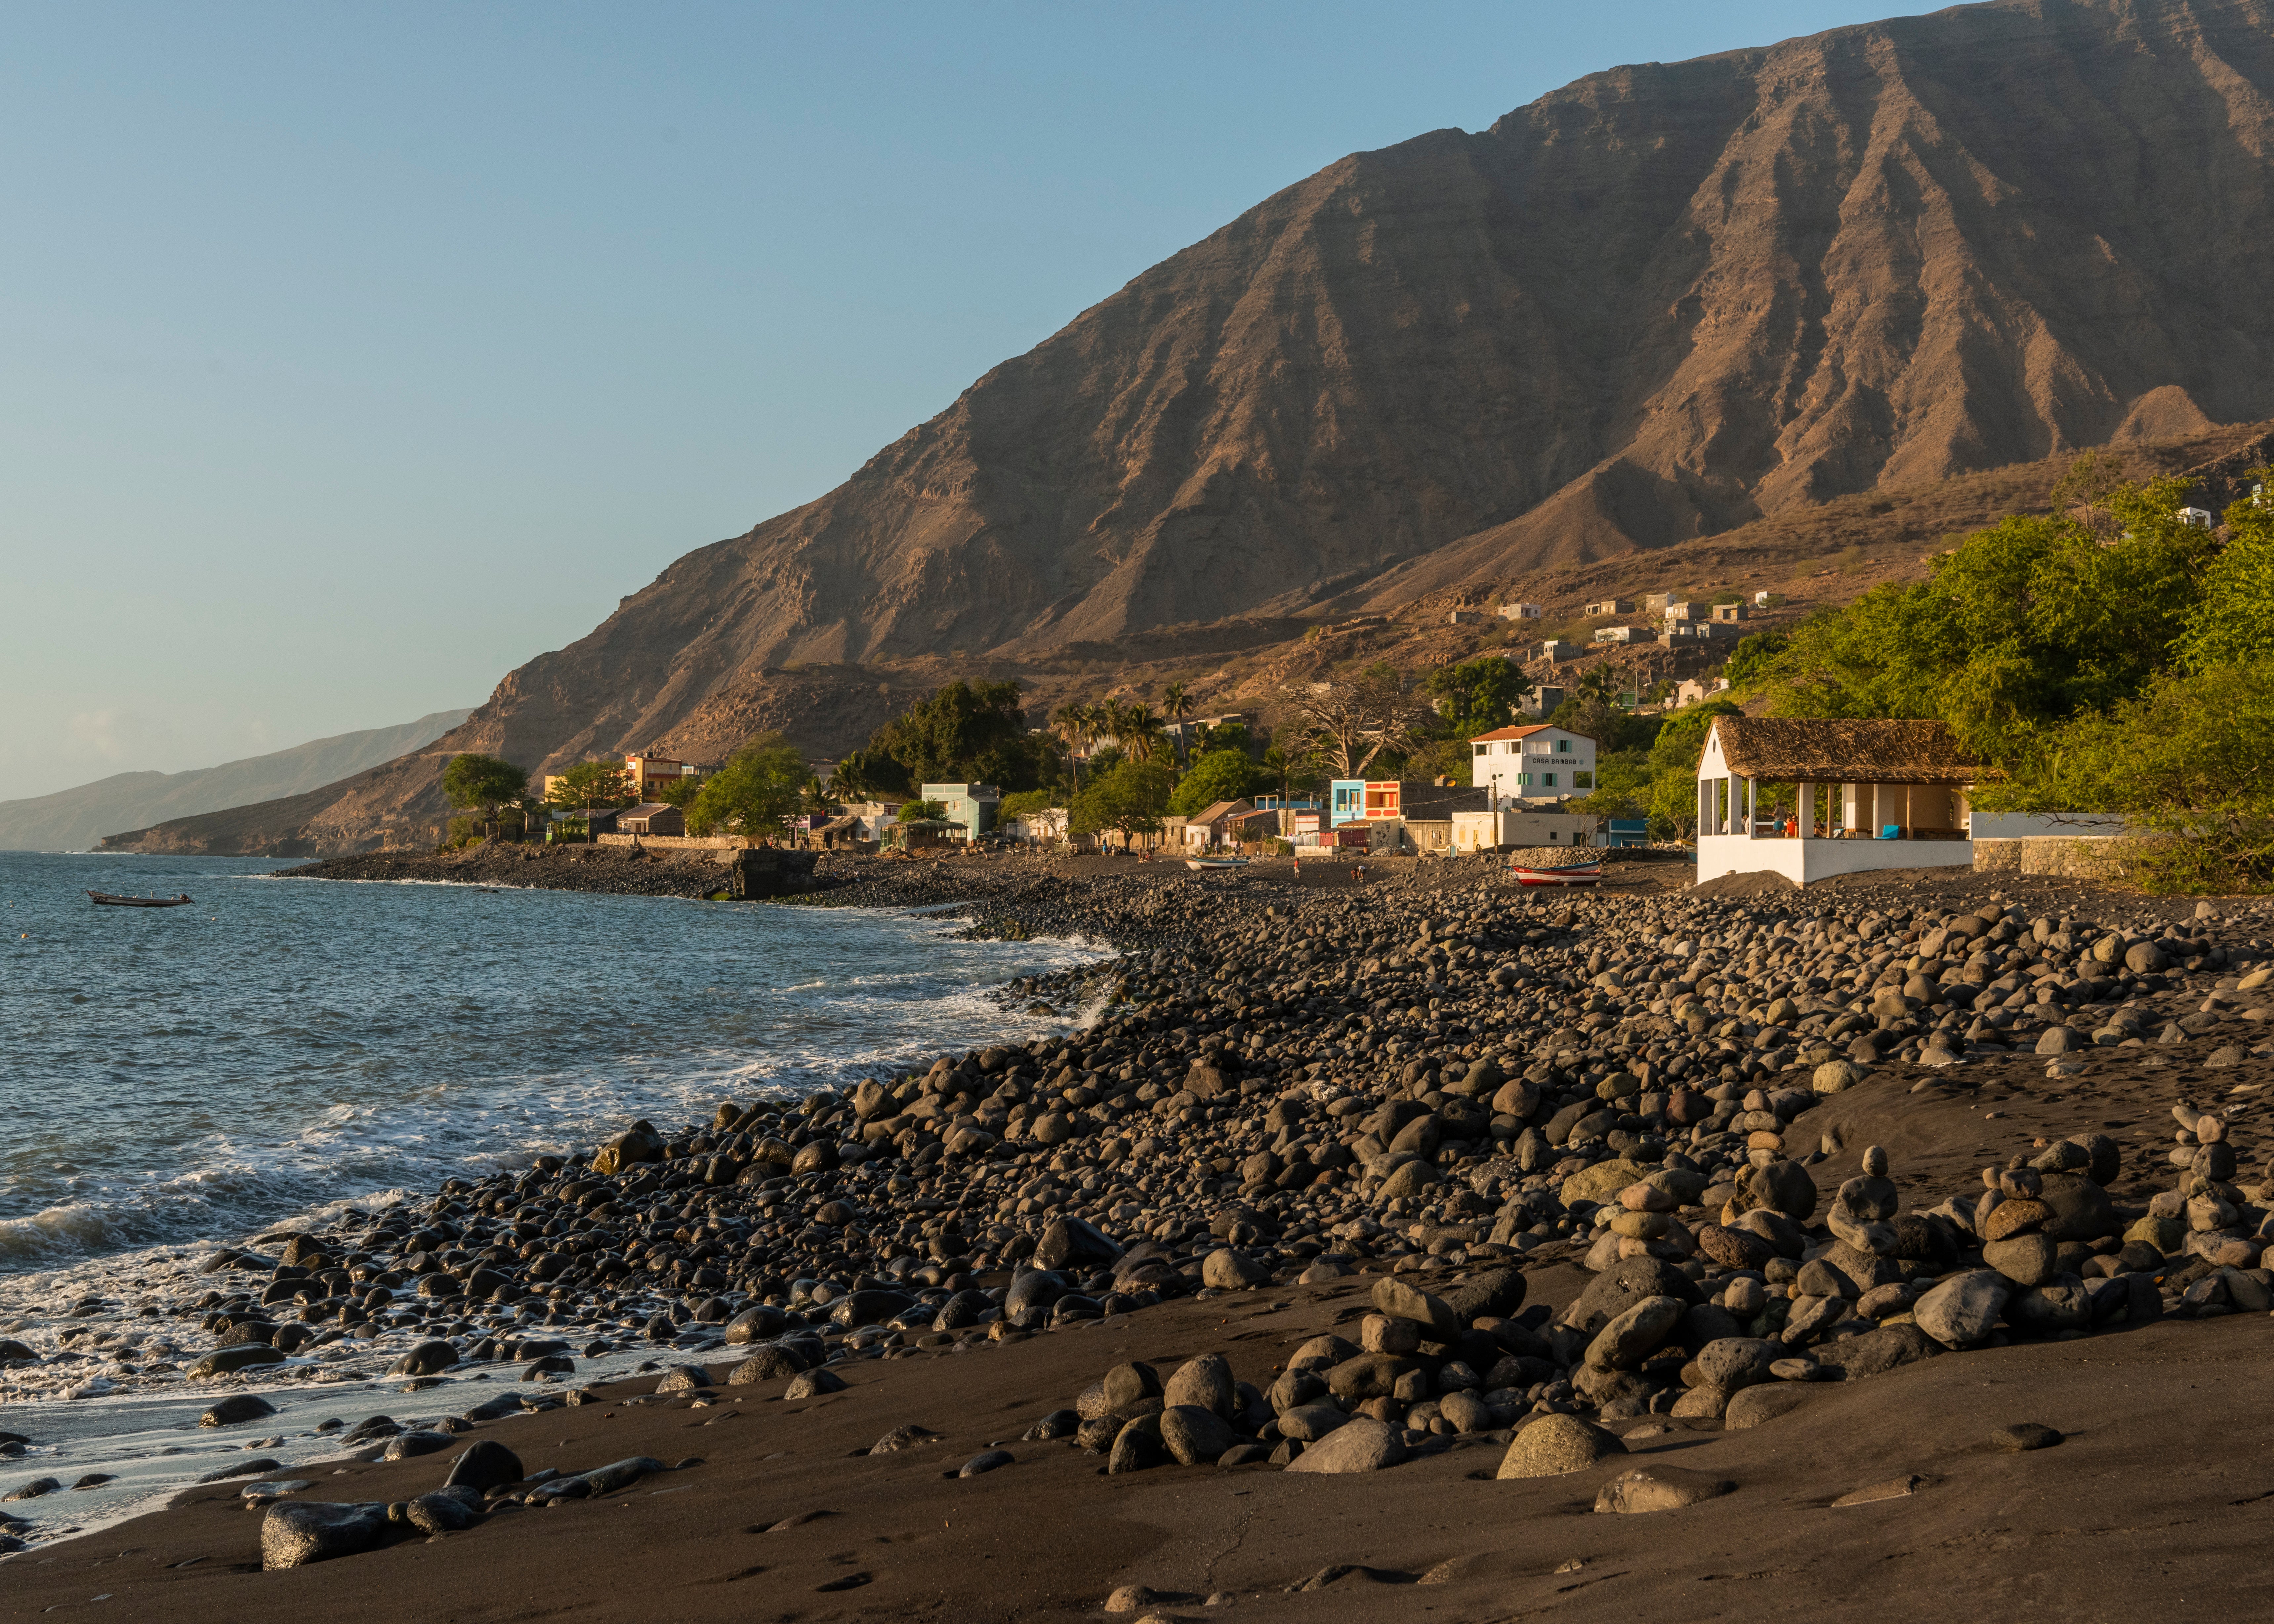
x=1789, y=749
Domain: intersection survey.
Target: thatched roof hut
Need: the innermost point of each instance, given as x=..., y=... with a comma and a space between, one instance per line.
x=1785, y=749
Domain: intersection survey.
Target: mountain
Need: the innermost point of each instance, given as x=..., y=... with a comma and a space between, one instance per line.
x=1665, y=302
x=73, y=820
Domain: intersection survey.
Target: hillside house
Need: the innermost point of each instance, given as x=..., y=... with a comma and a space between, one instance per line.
x=1625, y=633
x=1556, y=649
x=1729, y=615
x=1522, y=612
x=1609, y=605
x=1866, y=795
x=1698, y=690
x=1467, y=617
x=1516, y=763
x=1542, y=700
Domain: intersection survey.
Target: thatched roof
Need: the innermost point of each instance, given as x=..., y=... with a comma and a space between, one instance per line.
x=1789, y=750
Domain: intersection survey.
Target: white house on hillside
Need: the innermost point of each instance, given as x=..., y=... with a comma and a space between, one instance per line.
x=1530, y=764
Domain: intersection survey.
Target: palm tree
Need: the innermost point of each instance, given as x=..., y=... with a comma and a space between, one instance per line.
x=1139, y=731
x=1175, y=706
x=1071, y=723
x=1102, y=715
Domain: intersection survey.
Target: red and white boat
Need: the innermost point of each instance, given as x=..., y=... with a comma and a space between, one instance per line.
x=1570, y=873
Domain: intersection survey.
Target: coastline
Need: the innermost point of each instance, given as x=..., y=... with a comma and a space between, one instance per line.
x=1433, y=1079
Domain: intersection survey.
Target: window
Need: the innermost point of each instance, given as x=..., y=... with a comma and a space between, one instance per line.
x=1484, y=750
x=1562, y=747
x=1523, y=778
x=1547, y=780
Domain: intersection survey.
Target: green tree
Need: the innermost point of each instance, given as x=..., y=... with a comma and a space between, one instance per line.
x=1129, y=796
x=1754, y=656
x=483, y=783
x=1673, y=796
x=1478, y=696
x=754, y=794
x=1623, y=786
x=2021, y=626
x=1219, y=774
x=589, y=783
x=916, y=811
x=966, y=732
x=2192, y=757
x=2233, y=622
x=1023, y=802
x=1225, y=736
x=680, y=792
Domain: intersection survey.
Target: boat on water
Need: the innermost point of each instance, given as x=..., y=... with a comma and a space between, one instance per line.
x=104, y=900
x=1568, y=874
x=1199, y=863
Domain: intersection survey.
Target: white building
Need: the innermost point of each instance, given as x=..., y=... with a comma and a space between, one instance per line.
x=1519, y=763
x=1511, y=829
x=1864, y=795
x=1522, y=612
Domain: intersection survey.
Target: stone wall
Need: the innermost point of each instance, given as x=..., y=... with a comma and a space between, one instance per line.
x=2085, y=857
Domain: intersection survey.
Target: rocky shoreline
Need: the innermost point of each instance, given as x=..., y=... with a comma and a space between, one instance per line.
x=1662, y=1109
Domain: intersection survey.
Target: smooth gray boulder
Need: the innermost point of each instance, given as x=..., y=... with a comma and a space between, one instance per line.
x=1964, y=1309
x=295, y=1533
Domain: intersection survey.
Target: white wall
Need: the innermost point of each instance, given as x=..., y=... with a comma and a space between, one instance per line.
x=2027, y=825
x=1510, y=759
x=1801, y=861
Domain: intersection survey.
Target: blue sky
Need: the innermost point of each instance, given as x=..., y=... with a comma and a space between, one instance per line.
x=353, y=356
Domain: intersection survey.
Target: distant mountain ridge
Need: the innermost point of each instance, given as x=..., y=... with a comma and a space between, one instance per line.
x=1663, y=302
x=75, y=820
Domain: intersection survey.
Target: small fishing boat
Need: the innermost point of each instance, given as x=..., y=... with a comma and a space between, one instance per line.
x=104, y=900
x=1568, y=874
x=1197, y=864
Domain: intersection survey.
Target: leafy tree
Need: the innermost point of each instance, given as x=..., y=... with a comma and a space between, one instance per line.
x=1129, y=796
x=1225, y=736
x=483, y=783
x=1219, y=774
x=2192, y=757
x=1025, y=801
x=680, y=792
x=966, y=732
x=589, y=783
x=1478, y=696
x=2234, y=621
x=1673, y=798
x=1753, y=656
x=756, y=792
x=914, y=811
x=1624, y=787
x=2021, y=626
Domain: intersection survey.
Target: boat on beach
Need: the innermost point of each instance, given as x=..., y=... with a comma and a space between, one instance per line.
x=1197, y=864
x=1568, y=874
x=104, y=900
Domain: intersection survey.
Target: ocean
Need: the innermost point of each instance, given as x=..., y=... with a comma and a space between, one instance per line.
x=180, y=1077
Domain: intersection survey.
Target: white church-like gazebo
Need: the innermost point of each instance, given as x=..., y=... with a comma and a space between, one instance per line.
x=1865, y=795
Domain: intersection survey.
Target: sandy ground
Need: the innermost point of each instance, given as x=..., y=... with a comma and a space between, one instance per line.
x=2150, y=1506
